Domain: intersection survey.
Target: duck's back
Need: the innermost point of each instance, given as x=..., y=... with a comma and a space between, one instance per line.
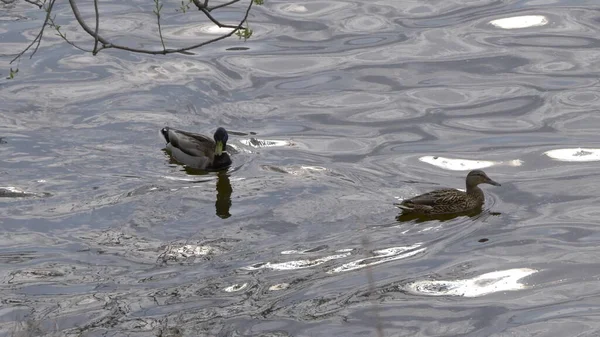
x=448, y=200
x=191, y=149
x=198, y=162
x=437, y=197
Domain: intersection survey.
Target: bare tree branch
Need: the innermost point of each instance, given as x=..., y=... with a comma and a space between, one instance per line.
x=108, y=44
x=95, y=51
x=52, y=24
x=157, y=12
x=215, y=21
x=35, y=3
x=200, y=5
x=38, y=38
x=100, y=42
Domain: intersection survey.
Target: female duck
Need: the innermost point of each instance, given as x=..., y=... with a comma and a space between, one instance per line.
x=449, y=200
x=198, y=151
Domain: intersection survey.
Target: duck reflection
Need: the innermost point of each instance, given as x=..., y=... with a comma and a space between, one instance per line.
x=475, y=214
x=224, y=190
x=404, y=217
x=223, y=202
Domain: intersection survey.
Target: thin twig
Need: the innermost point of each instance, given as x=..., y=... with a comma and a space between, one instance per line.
x=52, y=24
x=38, y=38
x=108, y=44
x=157, y=12
x=35, y=3
x=215, y=21
x=97, y=27
x=82, y=23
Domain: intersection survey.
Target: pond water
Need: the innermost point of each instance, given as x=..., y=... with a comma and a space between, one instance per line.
x=336, y=110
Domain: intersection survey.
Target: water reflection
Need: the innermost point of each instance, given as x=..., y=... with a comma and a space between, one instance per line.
x=224, y=190
x=223, y=186
x=575, y=155
x=440, y=217
x=489, y=283
x=459, y=164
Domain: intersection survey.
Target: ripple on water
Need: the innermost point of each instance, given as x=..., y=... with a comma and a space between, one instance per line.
x=579, y=122
x=350, y=99
x=116, y=76
x=199, y=32
x=307, y=171
x=323, y=145
x=168, y=71
x=365, y=23
x=312, y=9
x=424, y=14
x=551, y=67
x=257, y=143
x=307, y=83
x=493, y=124
x=251, y=109
x=291, y=65
x=585, y=97
x=490, y=98
x=380, y=256
x=296, y=264
x=493, y=107
x=395, y=114
x=574, y=212
x=128, y=23
x=195, y=31
x=545, y=41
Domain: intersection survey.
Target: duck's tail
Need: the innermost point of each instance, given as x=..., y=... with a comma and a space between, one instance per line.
x=405, y=208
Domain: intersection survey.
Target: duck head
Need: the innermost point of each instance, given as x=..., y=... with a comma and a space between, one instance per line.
x=477, y=177
x=220, y=137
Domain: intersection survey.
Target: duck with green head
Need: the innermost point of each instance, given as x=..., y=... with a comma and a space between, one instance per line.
x=449, y=200
x=196, y=150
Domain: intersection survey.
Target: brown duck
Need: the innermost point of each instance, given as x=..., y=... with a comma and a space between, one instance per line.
x=449, y=200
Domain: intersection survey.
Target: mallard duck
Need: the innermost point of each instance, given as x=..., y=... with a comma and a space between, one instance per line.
x=198, y=151
x=449, y=200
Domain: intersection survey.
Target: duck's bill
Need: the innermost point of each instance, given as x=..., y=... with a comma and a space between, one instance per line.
x=219, y=148
x=491, y=182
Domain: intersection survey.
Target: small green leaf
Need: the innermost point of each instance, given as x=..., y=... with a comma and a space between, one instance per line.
x=12, y=73
x=245, y=33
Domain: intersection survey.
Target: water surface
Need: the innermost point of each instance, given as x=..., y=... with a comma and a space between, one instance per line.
x=337, y=110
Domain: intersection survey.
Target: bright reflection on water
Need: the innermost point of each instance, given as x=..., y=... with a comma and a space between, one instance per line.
x=499, y=281
x=335, y=111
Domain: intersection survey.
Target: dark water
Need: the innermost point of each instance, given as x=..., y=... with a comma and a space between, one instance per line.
x=337, y=110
